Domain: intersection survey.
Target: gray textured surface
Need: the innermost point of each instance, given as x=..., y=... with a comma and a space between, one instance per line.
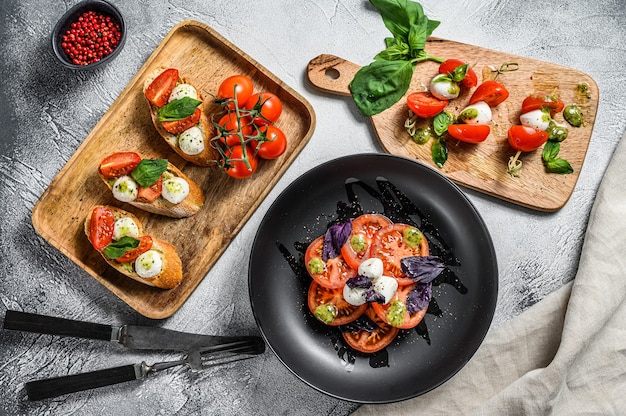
x=47, y=111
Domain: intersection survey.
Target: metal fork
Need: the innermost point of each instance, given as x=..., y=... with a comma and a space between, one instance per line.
x=197, y=359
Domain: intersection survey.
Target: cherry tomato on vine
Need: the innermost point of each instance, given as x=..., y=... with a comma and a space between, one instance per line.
x=491, y=92
x=101, y=227
x=238, y=168
x=526, y=139
x=237, y=85
x=276, y=144
x=230, y=134
x=119, y=164
x=179, y=126
x=370, y=342
x=158, y=92
x=538, y=102
x=449, y=65
x=424, y=104
x=268, y=106
x=319, y=295
x=145, y=244
x=469, y=133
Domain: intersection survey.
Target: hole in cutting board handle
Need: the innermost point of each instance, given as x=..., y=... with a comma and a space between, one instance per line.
x=332, y=73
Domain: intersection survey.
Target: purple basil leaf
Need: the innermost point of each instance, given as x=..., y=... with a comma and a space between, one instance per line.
x=359, y=281
x=422, y=269
x=419, y=297
x=362, y=322
x=335, y=237
x=373, y=296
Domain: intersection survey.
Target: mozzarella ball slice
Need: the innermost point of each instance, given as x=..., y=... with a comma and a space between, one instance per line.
x=125, y=189
x=371, y=268
x=191, y=141
x=443, y=88
x=175, y=190
x=387, y=287
x=125, y=226
x=354, y=296
x=183, y=90
x=537, y=119
x=477, y=113
x=149, y=264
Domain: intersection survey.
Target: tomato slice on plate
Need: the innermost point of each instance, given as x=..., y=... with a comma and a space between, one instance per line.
x=409, y=321
x=469, y=133
x=119, y=164
x=370, y=342
x=346, y=313
x=332, y=273
x=158, y=92
x=101, y=227
x=179, y=126
x=491, y=92
x=357, y=247
x=145, y=244
x=449, y=65
x=394, y=242
x=424, y=104
x=537, y=102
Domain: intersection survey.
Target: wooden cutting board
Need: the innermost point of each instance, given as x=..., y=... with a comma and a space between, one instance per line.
x=206, y=59
x=483, y=167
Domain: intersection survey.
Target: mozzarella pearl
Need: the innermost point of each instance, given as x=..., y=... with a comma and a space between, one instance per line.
x=477, y=113
x=175, y=190
x=183, y=90
x=443, y=88
x=387, y=287
x=371, y=268
x=354, y=296
x=191, y=141
x=125, y=226
x=149, y=264
x=125, y=189
x=537, y=119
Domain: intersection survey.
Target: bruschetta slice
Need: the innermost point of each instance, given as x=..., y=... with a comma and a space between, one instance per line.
x=118, y=236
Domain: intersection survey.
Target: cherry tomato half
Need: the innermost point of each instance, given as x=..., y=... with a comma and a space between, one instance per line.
x=237, y=85
x=409, y=321
x=357, y=247
x=145, y=244
x=449, y=65
x=491, y=92
x=238, y=168
x=119, y=164
x=370, y=342
x=267, y=105
x=394, y=242
x=332, y=273
x=424, y=104
x=320, y=295
x=230, y=134
x=275, y=145
x=179, y=126
x=469, y=133
x=526, y=139
x=101, y=227
x=158, y=92
x=152, y=192
x=538, y=102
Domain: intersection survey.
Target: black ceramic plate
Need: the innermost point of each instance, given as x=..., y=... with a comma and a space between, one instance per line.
x=464, y=296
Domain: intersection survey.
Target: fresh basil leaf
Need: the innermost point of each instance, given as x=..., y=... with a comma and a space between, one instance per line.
x=149, y=171
x=422, y=269
x=380, y=85
x=419, y=298
x=441, y=123
x=439, y=152
x=178, y=109
x=417, y=37
x=359, y=281
x=559, y=165
x=459, y=73
x=399, y=15
x=432, y=25
x=396, y=52
x=550, y=151
x=334, y=238
x=117, y=248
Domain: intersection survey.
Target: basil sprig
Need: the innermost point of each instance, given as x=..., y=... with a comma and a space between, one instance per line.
x=382, y=83
x=118, y=248
x=553, y=163
x=178, y=109
x=149, y=171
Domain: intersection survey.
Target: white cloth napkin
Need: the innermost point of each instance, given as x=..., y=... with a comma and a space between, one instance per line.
x=565, y=355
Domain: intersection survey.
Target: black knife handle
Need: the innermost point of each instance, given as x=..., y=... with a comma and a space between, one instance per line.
x=57, y=386
x=42, y=324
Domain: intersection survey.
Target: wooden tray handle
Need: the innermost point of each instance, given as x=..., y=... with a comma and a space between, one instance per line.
x=332, y=74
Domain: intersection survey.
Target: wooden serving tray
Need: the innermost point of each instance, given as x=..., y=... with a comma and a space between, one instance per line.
x=205, y=58
x=483, y=167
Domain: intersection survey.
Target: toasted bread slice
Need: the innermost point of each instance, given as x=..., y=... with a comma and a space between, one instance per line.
x=209, y=155
x=171, y=272
x=188, y=207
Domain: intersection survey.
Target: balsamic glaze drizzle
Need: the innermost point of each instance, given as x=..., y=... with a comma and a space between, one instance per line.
x=398, y=208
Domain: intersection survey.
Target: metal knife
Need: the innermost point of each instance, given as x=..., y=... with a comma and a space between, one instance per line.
x=130, y=336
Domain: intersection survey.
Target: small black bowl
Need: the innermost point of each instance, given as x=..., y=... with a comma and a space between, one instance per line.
x=71, y=16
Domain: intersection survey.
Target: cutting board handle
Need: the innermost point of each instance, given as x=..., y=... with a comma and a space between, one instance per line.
x=331, y=73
